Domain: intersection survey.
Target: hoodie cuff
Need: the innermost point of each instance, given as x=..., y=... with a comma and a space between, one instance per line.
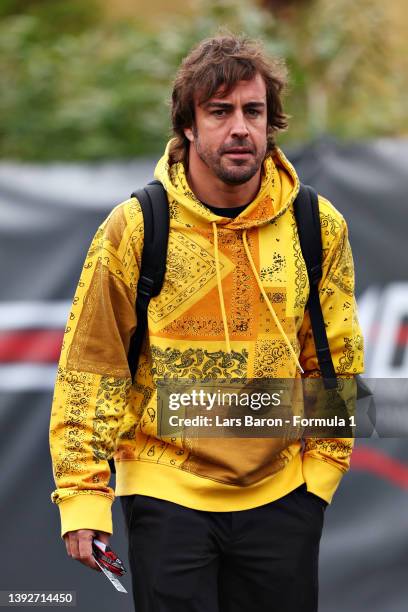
x=85, y=511
x=321, y=477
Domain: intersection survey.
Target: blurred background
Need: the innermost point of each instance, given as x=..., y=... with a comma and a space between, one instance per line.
x=84, y=116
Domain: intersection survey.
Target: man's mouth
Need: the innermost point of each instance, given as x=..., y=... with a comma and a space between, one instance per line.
x=238, y=152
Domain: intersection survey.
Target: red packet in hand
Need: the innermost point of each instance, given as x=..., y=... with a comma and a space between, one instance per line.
x=109, y=563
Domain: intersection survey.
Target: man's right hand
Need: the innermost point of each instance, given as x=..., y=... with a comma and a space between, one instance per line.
x=79, y=545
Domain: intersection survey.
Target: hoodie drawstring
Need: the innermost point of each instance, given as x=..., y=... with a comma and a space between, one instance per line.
x=219, y=284
x=268, y=303
x=262, y=290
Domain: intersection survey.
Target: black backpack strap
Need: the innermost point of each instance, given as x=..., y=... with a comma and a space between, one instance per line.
x=306, y=208
x=155, y=210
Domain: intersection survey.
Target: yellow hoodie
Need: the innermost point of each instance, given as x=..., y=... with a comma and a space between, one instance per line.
x=232, y=306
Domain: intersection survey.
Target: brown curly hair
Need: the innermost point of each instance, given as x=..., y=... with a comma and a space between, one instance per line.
x=223, y=61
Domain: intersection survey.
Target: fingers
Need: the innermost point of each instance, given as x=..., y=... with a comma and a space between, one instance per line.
x=85, y=548
x=79, y=546
x=67, y=545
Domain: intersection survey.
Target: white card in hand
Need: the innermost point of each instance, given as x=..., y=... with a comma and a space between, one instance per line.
x=116, y=583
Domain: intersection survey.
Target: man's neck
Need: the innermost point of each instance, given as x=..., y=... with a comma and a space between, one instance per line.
x=212, y=190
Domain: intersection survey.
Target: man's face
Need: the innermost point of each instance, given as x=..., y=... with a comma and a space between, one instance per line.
x=229, y=133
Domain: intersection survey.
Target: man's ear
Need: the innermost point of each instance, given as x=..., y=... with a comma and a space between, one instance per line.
x=189, y=134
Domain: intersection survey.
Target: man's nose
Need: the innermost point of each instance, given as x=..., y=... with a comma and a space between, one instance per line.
x=239, y=128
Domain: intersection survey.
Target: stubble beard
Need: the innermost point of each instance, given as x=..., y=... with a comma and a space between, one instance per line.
x=239, y=171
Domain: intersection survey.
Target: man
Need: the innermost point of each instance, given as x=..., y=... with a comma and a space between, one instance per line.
x=232, y=524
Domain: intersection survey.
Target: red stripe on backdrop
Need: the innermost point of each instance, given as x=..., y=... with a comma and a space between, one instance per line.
x=402, y=336
x=378, y=463
x=35, y=346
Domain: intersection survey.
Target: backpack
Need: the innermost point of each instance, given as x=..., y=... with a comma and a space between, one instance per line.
x=155, y=210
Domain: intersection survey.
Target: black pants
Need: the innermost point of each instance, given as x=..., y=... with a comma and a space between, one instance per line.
x=264, y=559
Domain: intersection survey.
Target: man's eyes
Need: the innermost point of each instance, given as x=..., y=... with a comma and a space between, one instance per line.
x=221, y=112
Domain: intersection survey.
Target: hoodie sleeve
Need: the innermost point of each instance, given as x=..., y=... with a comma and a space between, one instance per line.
x=93, y=377
x=326, y=460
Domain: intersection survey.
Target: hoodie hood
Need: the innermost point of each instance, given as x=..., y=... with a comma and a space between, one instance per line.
x=279, y=188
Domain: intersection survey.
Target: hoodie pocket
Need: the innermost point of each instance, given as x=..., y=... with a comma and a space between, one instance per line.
x=237, y=461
